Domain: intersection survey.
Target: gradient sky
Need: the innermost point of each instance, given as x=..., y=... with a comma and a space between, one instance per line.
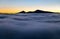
x=12, y=6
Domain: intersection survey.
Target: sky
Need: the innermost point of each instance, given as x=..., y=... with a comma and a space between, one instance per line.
x=13, y=6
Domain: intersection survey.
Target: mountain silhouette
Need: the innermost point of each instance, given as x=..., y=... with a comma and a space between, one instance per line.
x=22, y=12
x=36, y=11
x=41, y=11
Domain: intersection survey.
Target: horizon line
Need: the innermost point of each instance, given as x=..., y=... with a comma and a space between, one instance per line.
x=28, y=11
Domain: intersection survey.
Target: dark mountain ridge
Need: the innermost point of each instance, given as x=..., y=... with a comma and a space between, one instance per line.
x=37, y=11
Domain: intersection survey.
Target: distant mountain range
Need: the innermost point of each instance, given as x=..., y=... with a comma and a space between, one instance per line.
x=37, y=11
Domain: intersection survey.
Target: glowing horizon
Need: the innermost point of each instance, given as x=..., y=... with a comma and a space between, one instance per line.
x=13, y=6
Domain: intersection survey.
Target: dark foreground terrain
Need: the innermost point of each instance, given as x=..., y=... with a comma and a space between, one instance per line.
x=30, y=26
